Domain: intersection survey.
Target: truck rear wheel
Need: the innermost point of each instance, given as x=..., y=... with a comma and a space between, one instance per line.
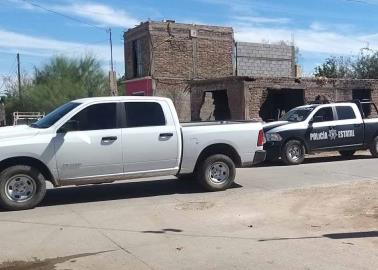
x=216, y=173
x=374, y=147
x=21, y=187
x=347, y=153
x=293, y=152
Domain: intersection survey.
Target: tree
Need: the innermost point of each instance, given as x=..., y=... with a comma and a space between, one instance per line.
x=60, y=80
x=121, y=85
x=366, y=65
x=363, y=66
x=335, y=67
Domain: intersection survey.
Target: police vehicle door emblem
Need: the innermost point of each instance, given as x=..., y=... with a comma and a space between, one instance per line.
x=332, y=134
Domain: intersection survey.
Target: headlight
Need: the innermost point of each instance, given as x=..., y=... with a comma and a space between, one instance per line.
x=273, y=137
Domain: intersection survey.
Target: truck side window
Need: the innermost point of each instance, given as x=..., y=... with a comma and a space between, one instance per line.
x=326, y=114
x=96, y=117
x=144, y=114
x=345, y=112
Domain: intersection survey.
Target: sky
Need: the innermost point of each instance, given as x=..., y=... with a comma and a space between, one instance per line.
x=74, y=28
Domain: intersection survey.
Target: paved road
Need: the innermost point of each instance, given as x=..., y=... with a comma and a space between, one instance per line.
x=168, y=224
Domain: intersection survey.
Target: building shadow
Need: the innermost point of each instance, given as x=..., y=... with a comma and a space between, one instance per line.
x=335, y=236
x=120, y=191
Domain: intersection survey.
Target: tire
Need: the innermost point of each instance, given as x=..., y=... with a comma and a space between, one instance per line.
x=21, y=187
x=216, y=173
x=347, y=153
x=186, y=177
x=293, y=152
x=374, y=147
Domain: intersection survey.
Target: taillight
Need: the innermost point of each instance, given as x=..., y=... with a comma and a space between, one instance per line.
x=261, y=138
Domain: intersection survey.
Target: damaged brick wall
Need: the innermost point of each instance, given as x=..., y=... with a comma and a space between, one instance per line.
x=175, y=53
x=191, y=51
x=178, y=53
x=247, y=95
x=202, y=107
x=333, y=89
x=138, y=33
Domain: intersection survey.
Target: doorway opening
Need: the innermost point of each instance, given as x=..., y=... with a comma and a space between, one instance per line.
x=363, y=95
x=280, y=101
x=215, y=106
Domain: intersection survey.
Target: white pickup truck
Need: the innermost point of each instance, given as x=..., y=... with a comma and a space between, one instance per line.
x=101, y=140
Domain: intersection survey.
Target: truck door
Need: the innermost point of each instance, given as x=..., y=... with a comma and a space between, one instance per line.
x=321, y=134
x=350, y=129
x=91, y=144
x=150, y=139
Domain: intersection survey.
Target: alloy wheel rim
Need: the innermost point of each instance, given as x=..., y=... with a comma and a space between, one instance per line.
x=219, y=172
x=20, y=188
x=295, y=152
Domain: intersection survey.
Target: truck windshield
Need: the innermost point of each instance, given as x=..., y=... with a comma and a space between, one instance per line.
x=298, y=114
x=55, y=115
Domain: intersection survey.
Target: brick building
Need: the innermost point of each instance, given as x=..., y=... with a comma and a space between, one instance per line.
x=267, y=98
x=162, y=57
x=195, y=66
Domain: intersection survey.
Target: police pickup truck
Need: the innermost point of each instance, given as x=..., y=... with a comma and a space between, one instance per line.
x=343, y=127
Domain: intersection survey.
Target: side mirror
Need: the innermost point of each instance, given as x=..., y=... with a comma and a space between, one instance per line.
x=70, y=125
x=310, y=122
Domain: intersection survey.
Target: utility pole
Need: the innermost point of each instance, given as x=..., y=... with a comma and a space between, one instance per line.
x=111, y=50
x=112, y=74
x=19, y=76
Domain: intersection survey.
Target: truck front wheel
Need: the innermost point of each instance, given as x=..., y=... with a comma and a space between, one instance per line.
x=21, y=187
x=216, y=173
x=374, y=147
x=293, y=152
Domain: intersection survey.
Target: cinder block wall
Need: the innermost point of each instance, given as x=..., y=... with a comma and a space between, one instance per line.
x=267, y=60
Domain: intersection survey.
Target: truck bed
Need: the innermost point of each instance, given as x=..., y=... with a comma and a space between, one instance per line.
x=240, y=135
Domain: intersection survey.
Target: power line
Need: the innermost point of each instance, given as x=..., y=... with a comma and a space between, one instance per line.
x=108, y=30
x=63, y=15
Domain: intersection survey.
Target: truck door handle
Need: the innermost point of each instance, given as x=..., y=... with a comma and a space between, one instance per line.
x=357, y=125
x=165, y=136
x=109, y=139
